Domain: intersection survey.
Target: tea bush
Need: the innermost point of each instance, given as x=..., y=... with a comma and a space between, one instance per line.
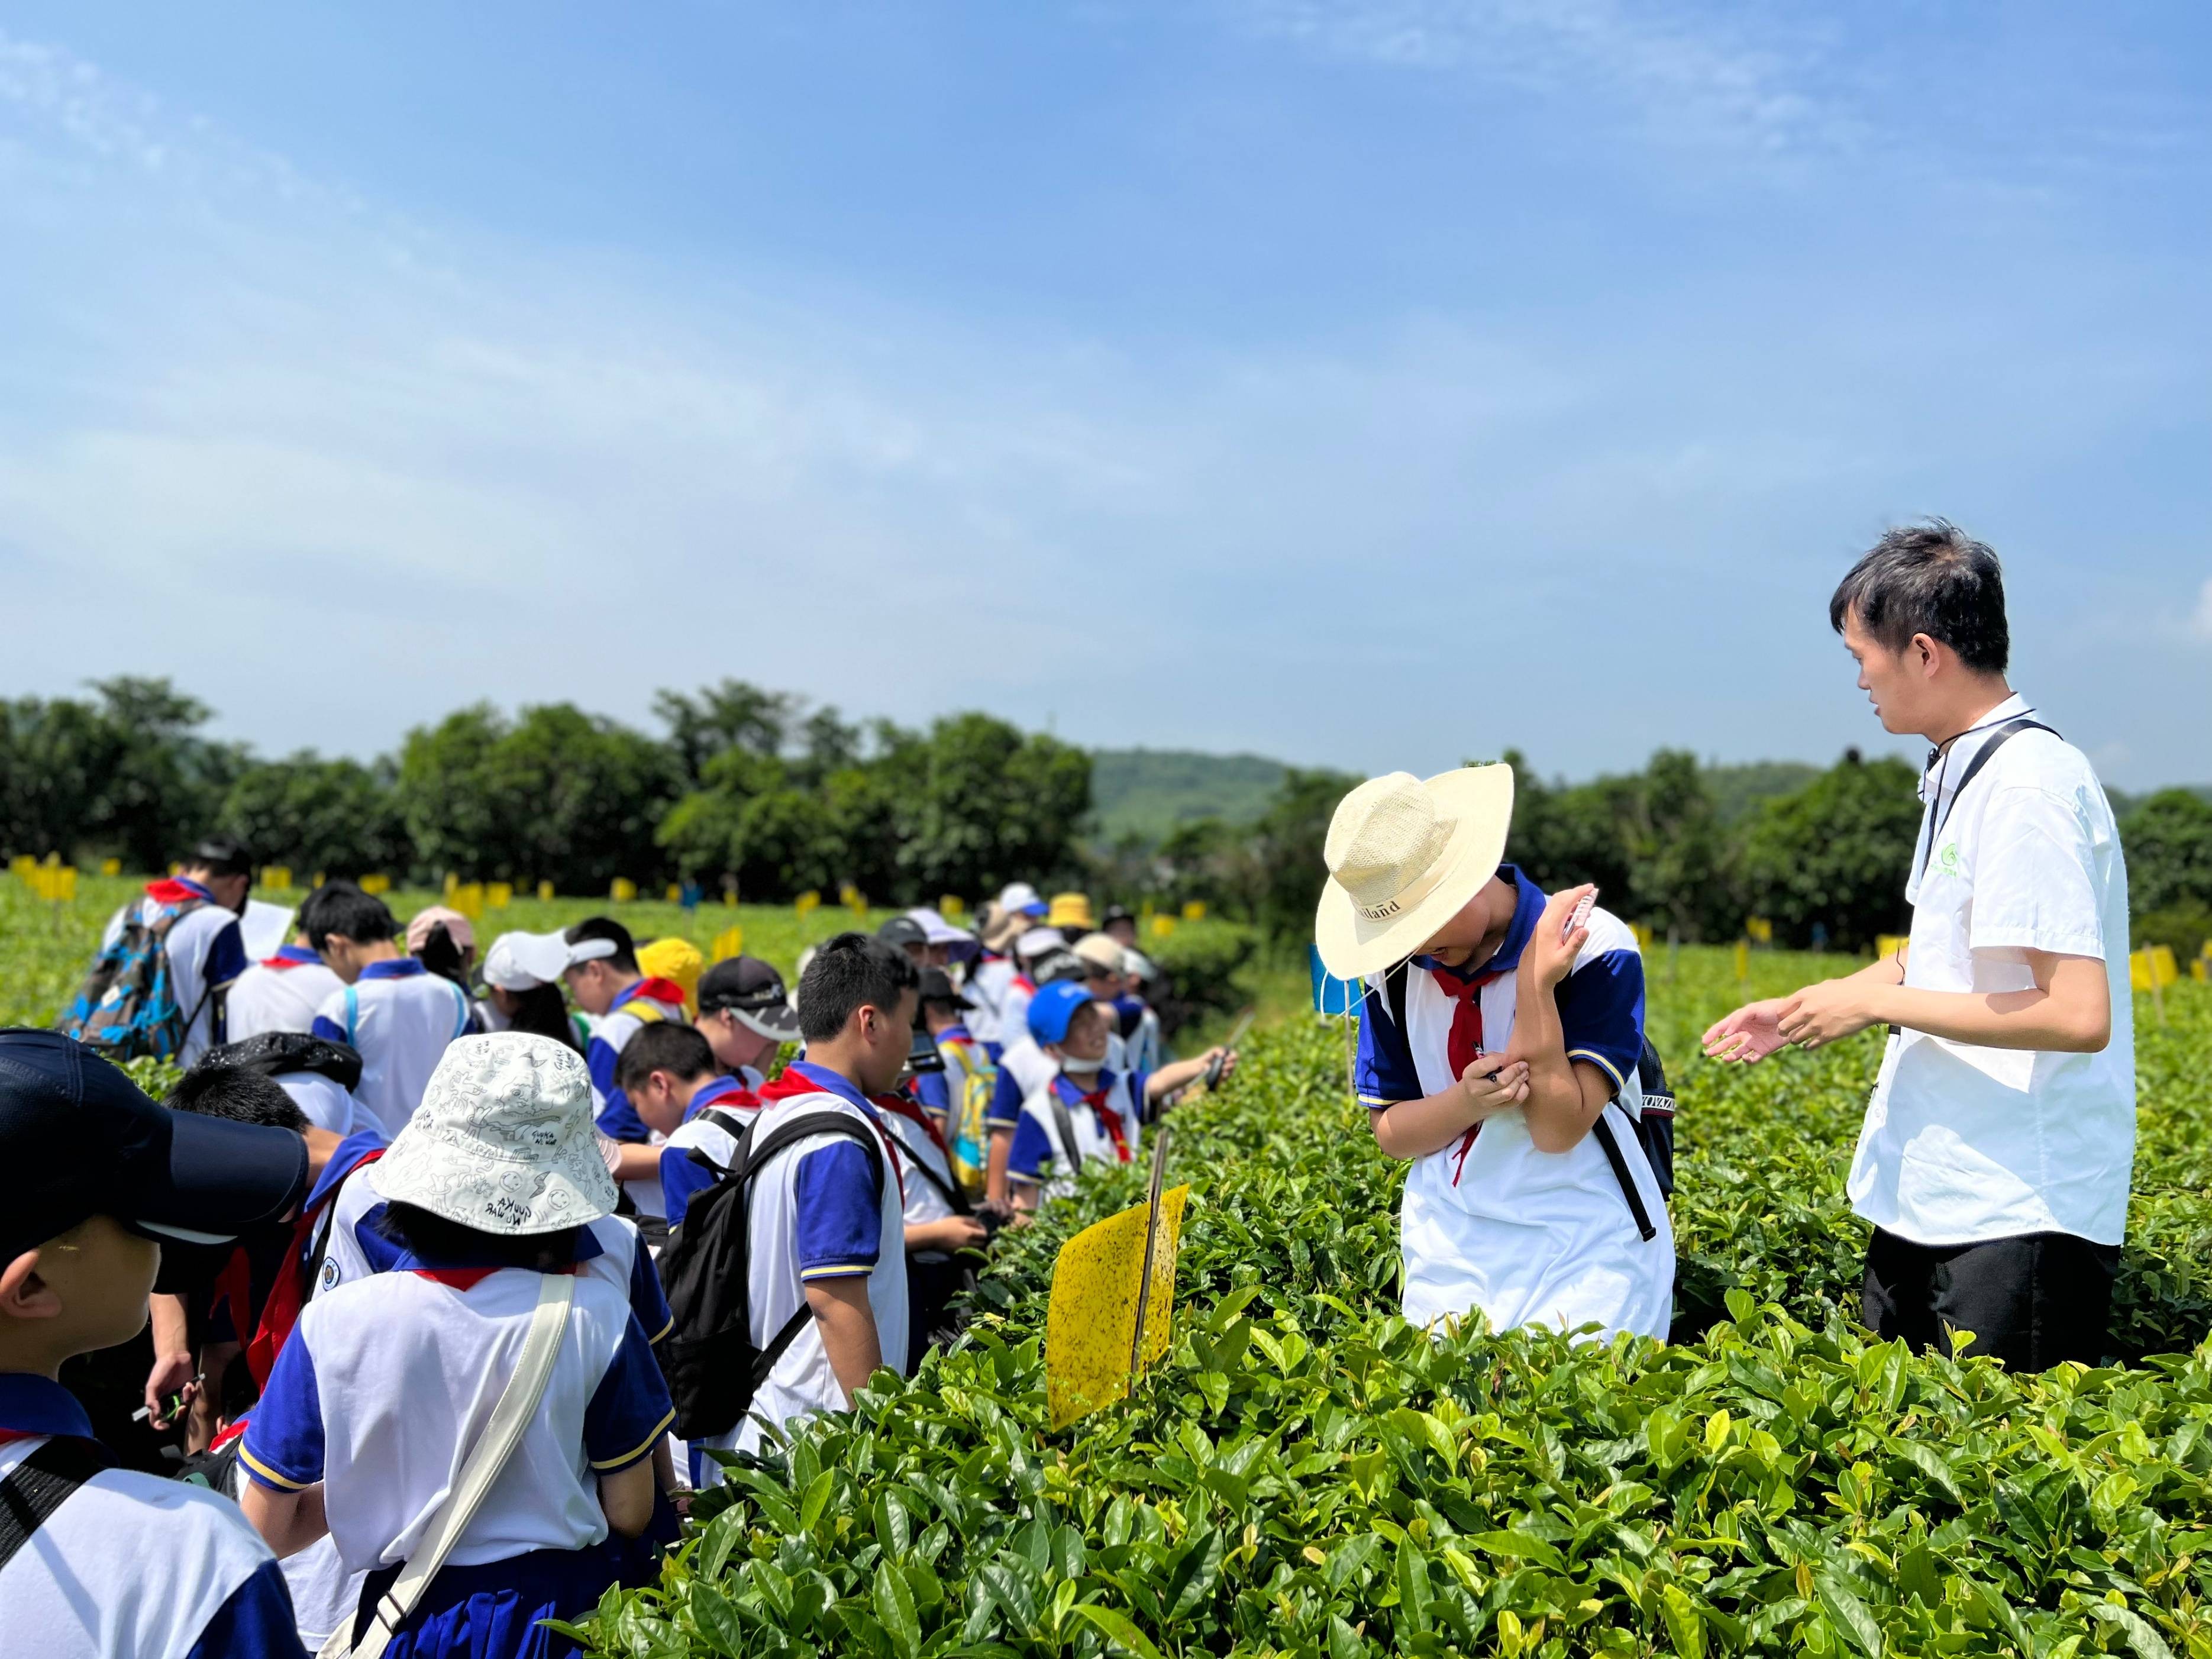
x=1305, y=1474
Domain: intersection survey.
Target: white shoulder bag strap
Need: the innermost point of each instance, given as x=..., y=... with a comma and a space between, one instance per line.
x=518, y=1404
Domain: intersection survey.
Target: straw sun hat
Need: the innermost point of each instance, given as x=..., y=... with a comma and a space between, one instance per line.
x=1404, y=856
x=502, y=1141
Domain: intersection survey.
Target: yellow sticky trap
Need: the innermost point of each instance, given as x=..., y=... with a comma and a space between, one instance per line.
x=111, y=867
x=498, y=894
x=951, y=906
x=453, y=884
x=1743, y=959
x=623, y=890
x=806, y=904
x=544, y=892
x=1092, y=1318
x=1760, y=929
x=276, y=878
x=376, y=884
x=2153, y=967
x=1163, y=926
x=1888, y=945
x=469, y=899
x=730, y=942
x=1194, y=911
x=674, y=894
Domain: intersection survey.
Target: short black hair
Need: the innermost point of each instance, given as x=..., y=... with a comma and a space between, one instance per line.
x=625, y=951
x=238, y=1094
x=341, y=907
x=220, y=855
x=434, y=1238
x=851, y=971
x=1929, y=578
x=663, y=1046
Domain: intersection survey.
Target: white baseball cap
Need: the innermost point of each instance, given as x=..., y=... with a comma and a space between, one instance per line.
x=518, y=962
x=937, y=930
x=1020, y=896
x=1040, y=941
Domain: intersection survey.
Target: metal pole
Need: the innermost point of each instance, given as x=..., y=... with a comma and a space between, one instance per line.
x=1151, y=1245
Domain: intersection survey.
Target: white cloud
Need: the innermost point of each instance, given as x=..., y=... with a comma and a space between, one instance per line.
x=2202, y=622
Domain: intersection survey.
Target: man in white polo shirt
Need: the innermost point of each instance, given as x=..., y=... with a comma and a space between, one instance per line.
x=1995, y=1160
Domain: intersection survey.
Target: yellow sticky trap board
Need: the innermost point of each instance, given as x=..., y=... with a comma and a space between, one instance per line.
x=498, y=894
x=2153, y=967
x=730, y=942
x=1760, y=930
x=807, y=902
x=1092, y=1318
x=623, y=890
x=674, y=893
x=276, y=878
x=111, y=867
x=1163, y=926
x=951, y=906
x=376, y=884
x=1888, y=945
x=1194, y=911
x=544, y=892
x=469, y=899
x=1743, y=959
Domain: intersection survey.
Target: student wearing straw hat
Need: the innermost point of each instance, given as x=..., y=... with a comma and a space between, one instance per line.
x=1494, y=1040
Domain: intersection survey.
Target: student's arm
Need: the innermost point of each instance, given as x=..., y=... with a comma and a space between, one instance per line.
x=947, y=1233
x=1579, y=1021
x=2067, y=1011
x=995, y=1169
x=172, y=1356
x=626, y=1498
x=635, y=1161
x=1181, y=1073
x=847, y=1325
x=288, y=1521
x=1407, y=1123
x=1755, y=1030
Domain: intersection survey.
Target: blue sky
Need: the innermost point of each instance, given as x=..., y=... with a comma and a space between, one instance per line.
x=1373, y=384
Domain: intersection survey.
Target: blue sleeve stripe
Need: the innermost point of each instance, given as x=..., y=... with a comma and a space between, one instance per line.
x=269, y=1477
x=644, y=1450
x=327, y=1029
x=1370, y=1100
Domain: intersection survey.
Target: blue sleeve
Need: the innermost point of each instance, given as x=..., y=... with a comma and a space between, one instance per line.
x=649, y=1304
x=1005, y=1107
x=1031, y=1157
x=935, y=1093
x=283, y=1445
x=630, y=1409
x=327, y=1029
x=840, y=1219
x=226, y=956
x=1601, y=1013
x=618, y=1119
x=680, y=1178
x=1146, y=1111
x=256, y=1622
x=1385, y=1070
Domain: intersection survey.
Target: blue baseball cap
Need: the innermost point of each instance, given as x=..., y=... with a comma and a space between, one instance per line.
x=78, y=1139
x=1053, y=1006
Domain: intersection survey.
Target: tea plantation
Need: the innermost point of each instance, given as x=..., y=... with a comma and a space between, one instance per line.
x=1305, y=1474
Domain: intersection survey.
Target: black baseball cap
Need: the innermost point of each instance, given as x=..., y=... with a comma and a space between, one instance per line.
x=753, y=991
x=900, y=932
x=937, y=985
x=78, y=1139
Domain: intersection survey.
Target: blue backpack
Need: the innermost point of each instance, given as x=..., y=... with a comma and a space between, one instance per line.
x=126, y=1007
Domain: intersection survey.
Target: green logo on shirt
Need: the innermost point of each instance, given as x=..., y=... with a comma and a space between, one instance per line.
x=1948, y=859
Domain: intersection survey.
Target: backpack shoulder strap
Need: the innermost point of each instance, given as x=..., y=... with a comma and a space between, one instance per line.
x=41, y=1483
x=754, y=1154
x=1063, y=1122
x=1982, y=756
x=1610, y=1144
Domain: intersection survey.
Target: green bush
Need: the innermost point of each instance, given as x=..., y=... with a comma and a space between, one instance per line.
x=2184, y=929
x=1305, y=1474
x=1201, y=960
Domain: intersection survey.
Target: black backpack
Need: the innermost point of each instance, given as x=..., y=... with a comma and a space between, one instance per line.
x=287, y=1054
x=713, y=1368
x=1655, y=1129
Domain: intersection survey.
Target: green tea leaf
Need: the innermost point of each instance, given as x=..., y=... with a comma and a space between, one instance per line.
x=1116, y=1628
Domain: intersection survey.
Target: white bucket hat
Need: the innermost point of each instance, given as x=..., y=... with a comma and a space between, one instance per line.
x=502, y=1141
x=1404, y=856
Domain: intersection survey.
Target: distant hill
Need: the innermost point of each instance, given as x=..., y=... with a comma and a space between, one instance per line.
x=1148, y=791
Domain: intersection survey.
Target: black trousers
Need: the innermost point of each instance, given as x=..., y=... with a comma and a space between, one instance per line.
x=2034, y=1300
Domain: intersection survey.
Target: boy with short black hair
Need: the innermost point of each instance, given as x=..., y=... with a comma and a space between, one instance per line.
x=673, y=1082
x=394, y=1013
x=822, y=1235
x=117, y=1564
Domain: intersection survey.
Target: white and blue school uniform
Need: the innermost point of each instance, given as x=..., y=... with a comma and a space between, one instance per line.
x=610, y=1034
x=1490, y=1221
x=925, y=1178
x=986, y=986
x=281, y=992
x=681, y=1176
x=401, y=1018
x=814, y=1215
x=940, y=1093
x=324, y=1102
x=1139, y=1028
x=1108, y=1119
x=206, y=952
x=384, y=1388
x=130, y=1566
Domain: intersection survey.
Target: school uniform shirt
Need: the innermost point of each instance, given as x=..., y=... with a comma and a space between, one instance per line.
x=925, y=1178
x=1108, y=1118
x=131, y=1566
x=814, y=1216
x=681, y=1177
x=400, y=1017
x=323, y=1102
x=1139, y=1028
x=987, y=988
x=279, y=993
x=941, y=1092
x=390, y=1380
x=1490, y=1221
x=1023, y=1069
x=1964, y=1143
x=610, y=1034
x=206, y=951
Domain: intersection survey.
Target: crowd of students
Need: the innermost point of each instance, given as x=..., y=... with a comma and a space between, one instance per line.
x=457, y=1136
x=465, y=1292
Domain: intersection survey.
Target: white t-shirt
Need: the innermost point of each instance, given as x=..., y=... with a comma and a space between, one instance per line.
x=1963, y=1144
x=924, y=1199
x=807, y=1220
x=280, y=993
x=130, y=1566
x=206, y=952
x=1039, y=1156
x=401, y=1017
x=987, y=988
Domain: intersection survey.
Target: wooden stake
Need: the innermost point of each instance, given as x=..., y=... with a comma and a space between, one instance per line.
x=1151, y=1244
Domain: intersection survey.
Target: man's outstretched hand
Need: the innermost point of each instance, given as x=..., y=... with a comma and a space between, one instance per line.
x=1749, y=1035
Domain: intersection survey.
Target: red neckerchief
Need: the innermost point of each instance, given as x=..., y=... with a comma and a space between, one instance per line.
x=169, y=891
x=1108, y=1120
x=913, y=1114
x=653, y=990
x=280, y=1312
x=1022, y=982
x=467, y=1278
x=1463, y=1045
x=792, y=1081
